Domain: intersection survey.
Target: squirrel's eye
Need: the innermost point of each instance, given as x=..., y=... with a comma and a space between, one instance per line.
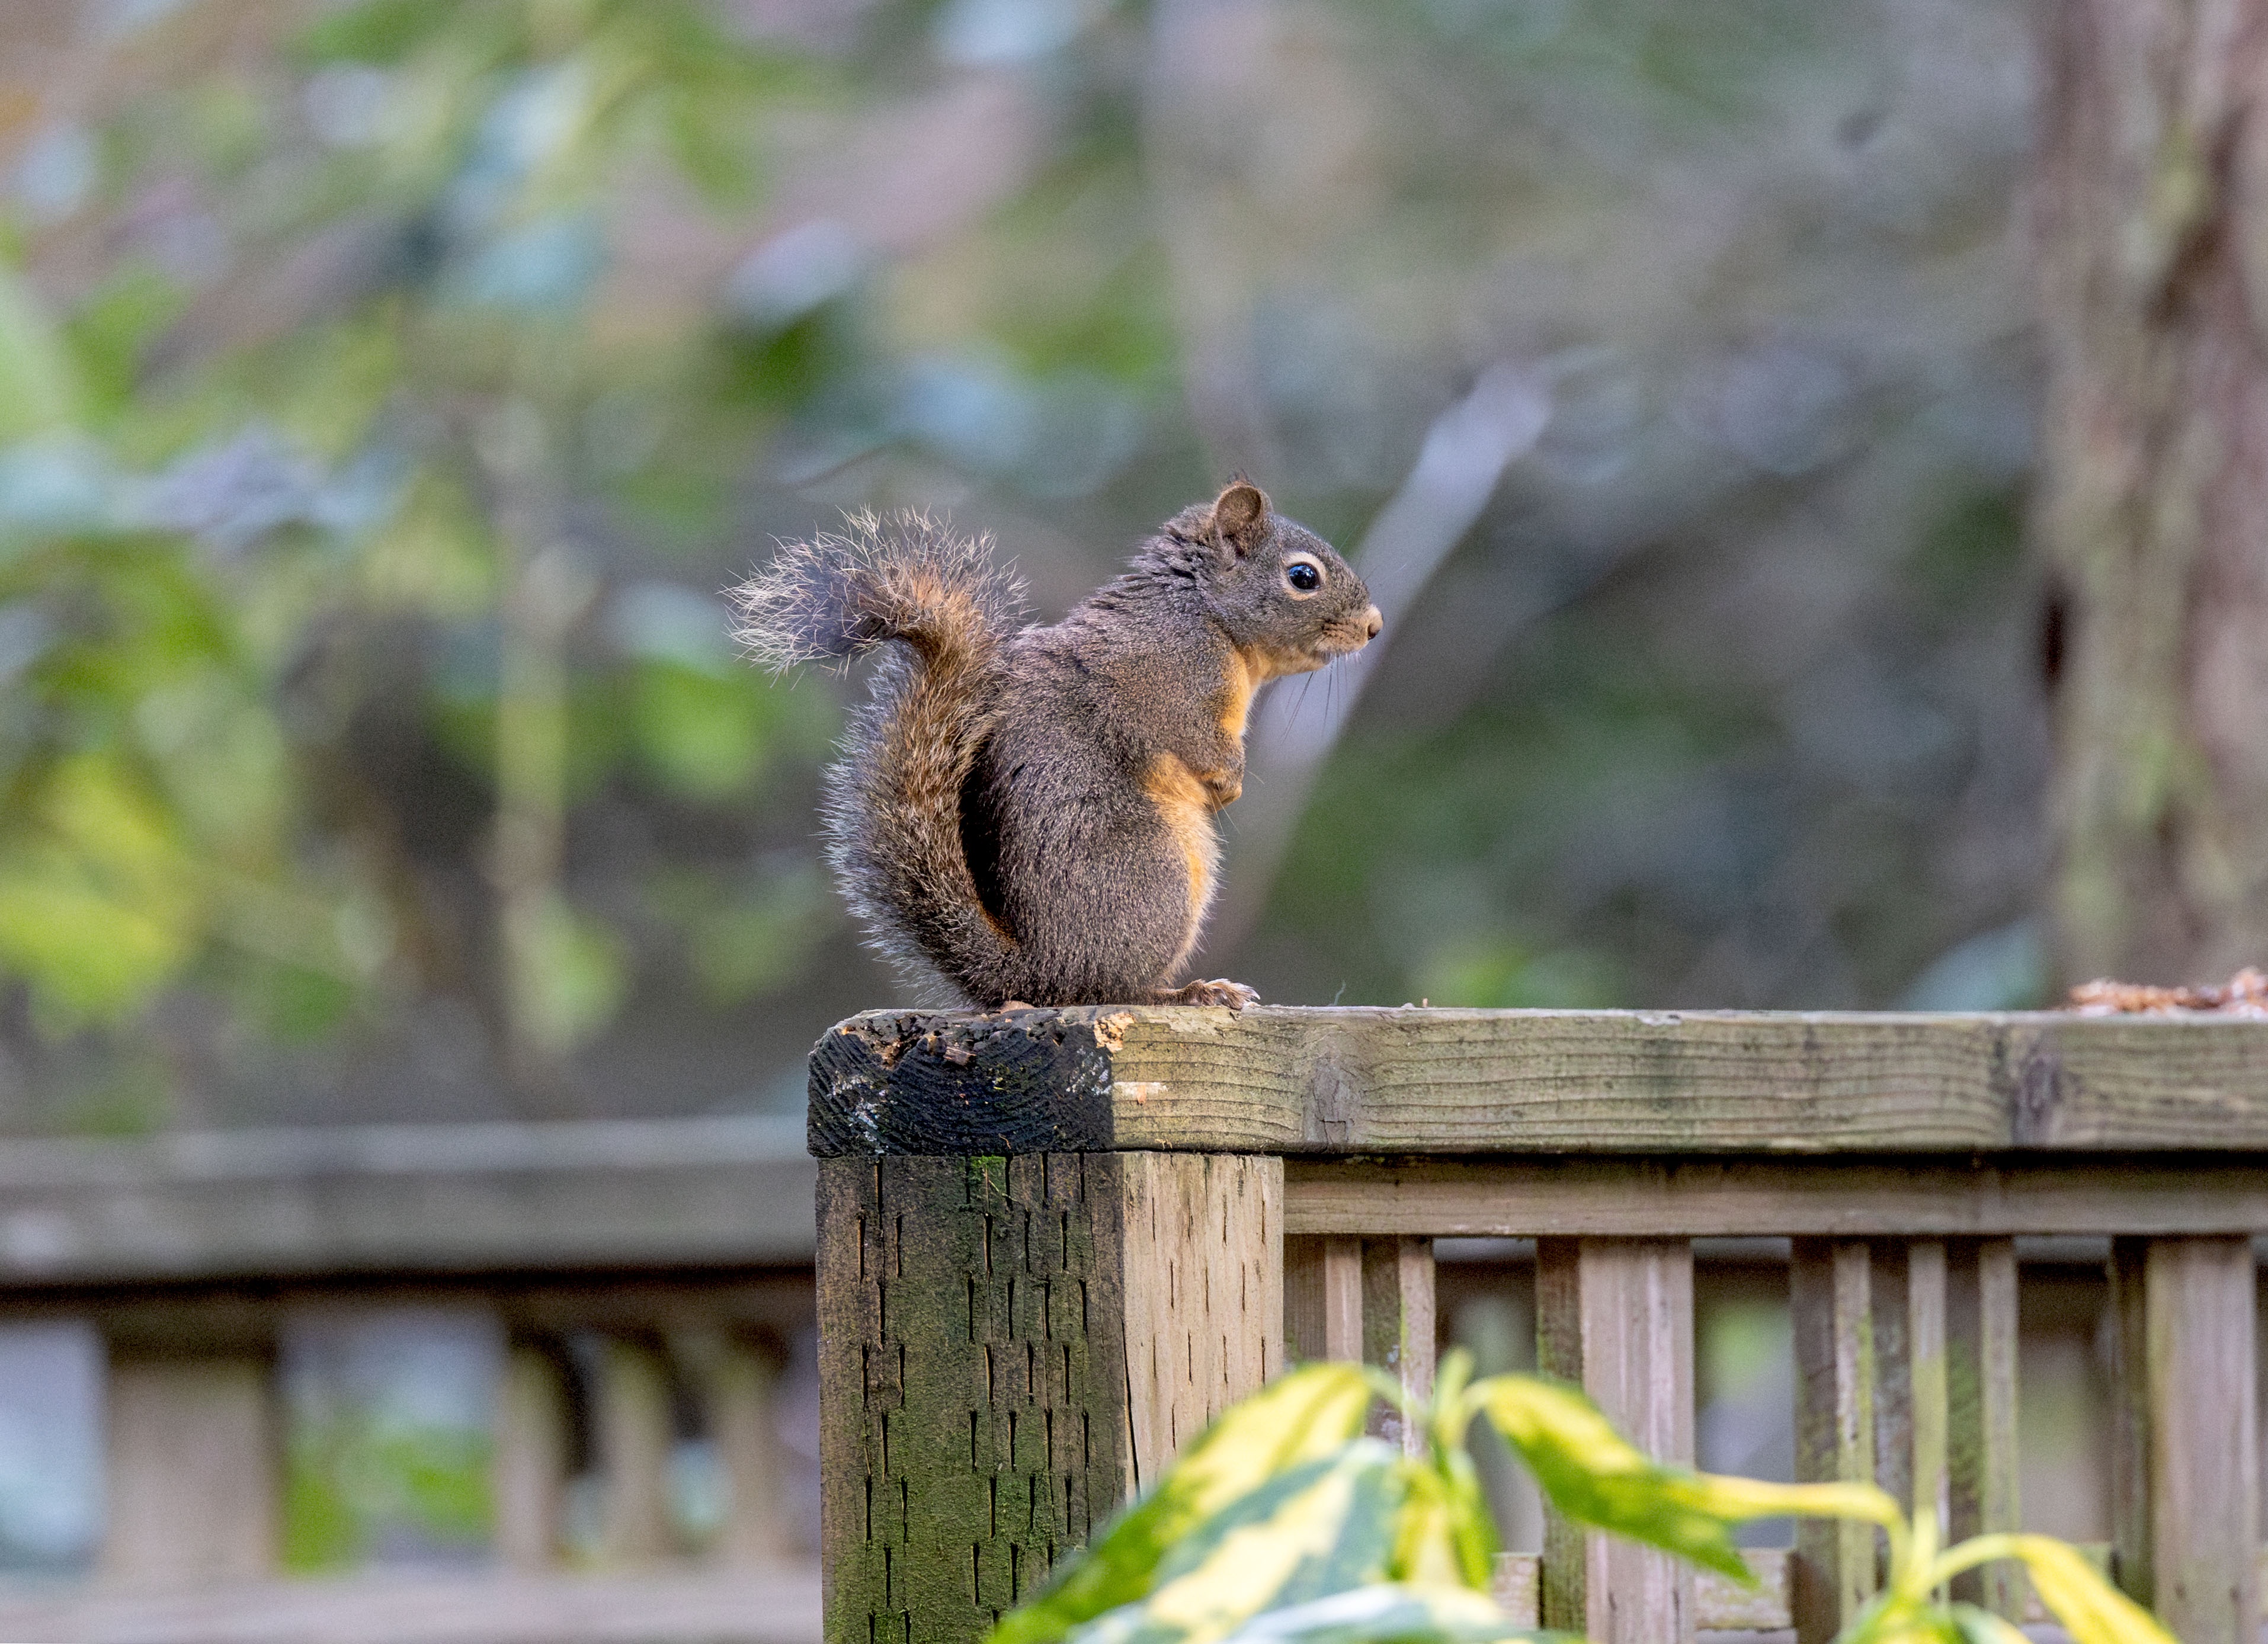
x=1304, y=577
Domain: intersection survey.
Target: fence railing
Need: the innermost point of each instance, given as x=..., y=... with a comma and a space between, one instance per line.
x=1052, y=1244
x=641, y=1277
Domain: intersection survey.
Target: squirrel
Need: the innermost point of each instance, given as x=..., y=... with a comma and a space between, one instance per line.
x=1024, y=814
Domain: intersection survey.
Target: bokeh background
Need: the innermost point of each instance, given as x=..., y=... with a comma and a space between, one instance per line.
x=390, y=389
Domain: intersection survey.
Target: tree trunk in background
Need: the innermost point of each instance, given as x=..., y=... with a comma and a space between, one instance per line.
x=2151, y=216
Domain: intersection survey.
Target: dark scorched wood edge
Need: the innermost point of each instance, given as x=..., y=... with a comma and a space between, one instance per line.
x=1435, y=1082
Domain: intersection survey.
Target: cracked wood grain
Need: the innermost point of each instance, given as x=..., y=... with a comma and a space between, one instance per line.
x=1295, y=1082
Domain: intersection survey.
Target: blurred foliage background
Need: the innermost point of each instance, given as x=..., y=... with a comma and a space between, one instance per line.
x=387, y=389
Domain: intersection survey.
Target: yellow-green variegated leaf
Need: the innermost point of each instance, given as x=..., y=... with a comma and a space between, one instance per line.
x=1390, y=1613
x=1298, y=1419
x=1321, y=1528
x=1596, y=1477
x=1736, y=1499
x=1471, y=1526
x=2090, y=1609
x=1425, y=1546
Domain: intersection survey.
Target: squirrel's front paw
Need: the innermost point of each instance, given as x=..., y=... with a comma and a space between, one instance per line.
x=1235, y=995
x=1223, y=788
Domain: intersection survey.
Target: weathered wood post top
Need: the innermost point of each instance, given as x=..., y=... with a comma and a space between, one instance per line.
x=1052, y=1243
x=1340, y=1081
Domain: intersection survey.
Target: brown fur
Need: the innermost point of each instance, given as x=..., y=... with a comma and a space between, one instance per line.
x=1028, y=814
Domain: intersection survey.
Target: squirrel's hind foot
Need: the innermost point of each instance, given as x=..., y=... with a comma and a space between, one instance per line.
x=1235, y=995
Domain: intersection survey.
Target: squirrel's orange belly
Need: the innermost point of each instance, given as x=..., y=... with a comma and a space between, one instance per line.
x=1186, y=809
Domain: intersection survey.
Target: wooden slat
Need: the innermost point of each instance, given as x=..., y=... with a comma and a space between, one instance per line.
x=1323, y=1299
x=530, y=1469
x=1831, y=1301
x=191, y=1489
x=1617, y=1317
x=2133, y=1563
x=1342, y=1294
x=1398, y=1328
x=1930, y=1415
x=633, y=1427
x=774, y=1605
x=1203, y=1293
x=1303, y=1300
x=1516, y=1584
x=1424, y=1081
x=1726, y=1606
x=1981, y=1389
x=740, y=1385
x=1889, y=1294
x=1517, y=1198
x=2200, y=1466
x=405, y=1200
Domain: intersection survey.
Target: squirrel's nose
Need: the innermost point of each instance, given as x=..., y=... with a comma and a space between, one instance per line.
x=1372, y=621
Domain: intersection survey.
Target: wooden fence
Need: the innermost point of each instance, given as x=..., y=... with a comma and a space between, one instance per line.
x=1052, y=1244
x=677, y=1252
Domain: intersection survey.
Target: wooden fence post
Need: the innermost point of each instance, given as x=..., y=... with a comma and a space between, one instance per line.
x=1010, y=1346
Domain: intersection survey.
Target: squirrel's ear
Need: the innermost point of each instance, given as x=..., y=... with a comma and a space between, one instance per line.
x=1239, y=515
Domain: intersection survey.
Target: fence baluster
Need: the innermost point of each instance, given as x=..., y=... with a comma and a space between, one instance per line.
x=1397, y=1327
x=740, y=1390
x=2186, y=1474
x=1890, y=1296
x=1322, y=1298
x=1831, y=1300
x=529, y=1473
x=1616, y=1316
x=192, y=1491
x=1925, y=1370
x=1980, y=1357
x=633, y=1435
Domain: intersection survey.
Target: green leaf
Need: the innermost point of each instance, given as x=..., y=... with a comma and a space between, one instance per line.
x=1595, y=1475
x=380, y=31
x=40, y=390
x=1301, y=1416
x=567, y=972
x=99, y=905
x=1388, y=1613
x=2090, y=1609
x=1323, y=1527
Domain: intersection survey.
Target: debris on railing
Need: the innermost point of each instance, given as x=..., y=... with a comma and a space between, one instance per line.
x=2245, y=994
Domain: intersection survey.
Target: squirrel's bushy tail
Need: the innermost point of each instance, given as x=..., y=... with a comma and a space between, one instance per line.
x=893, y=799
